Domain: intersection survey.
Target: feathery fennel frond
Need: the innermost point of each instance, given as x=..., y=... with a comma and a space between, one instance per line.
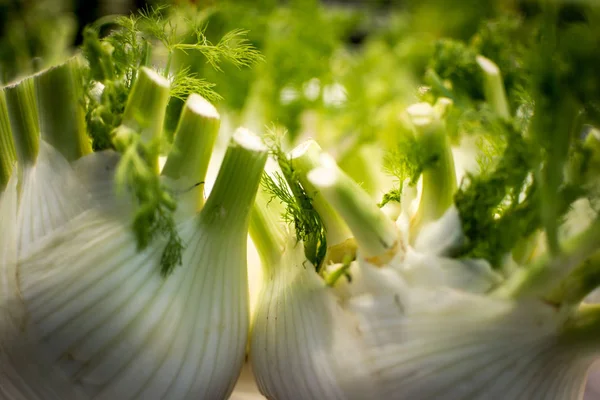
x=157, y=25
x=455, y=61
x=185, y=83
x=479, y=201
x=153, y=216
x=114, y=64
x=139, y=139
x=299, y=210
x=114, y=61
x=233, y=47
x=406, y=161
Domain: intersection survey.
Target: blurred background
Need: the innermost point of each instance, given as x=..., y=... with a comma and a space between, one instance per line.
x=337, y=70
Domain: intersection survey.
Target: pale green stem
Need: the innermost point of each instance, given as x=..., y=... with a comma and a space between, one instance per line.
x=442, y=107
x=266, y=231
x=146, y=107
x=305, y=158
x=168, y=64
x=586, y=277
x=583, y=330
x=526, y=247
x=358, y=162
x=547, y=273
x=230, y=202
x=59, y=95
x=333, y=277
x=376, y=235
x=493, y=87
x=552, y=173
x=23, y=117
x=578, y=284
x=8, y=154
x=193, y=144
x=581, y=168
x=439, y=179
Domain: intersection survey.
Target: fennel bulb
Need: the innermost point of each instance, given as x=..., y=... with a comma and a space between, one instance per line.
x=90, y=313
x=99, y=312
x=405, y=342
x=406, y=326
x=48, y=129
x=46, y=124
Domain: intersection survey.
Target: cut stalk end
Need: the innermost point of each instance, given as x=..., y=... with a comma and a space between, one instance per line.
x=194, y=141
x=59, y=95
x=495, y=93
x=23, y=117
x=146, y=105
x=376, y=235
x=306, y=157
x=439, y=176
x=233, y=194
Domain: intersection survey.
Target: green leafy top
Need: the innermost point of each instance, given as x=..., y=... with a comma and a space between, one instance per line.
x=413, y=153
x=494, y=214
x=298, y=39
x=454, y=73
x=299, y=211
x=523, y=188
x=154, y=215
x=406, y=161
x=115, y=58
x=455, y=62
x=114, y=61
x=501, y=40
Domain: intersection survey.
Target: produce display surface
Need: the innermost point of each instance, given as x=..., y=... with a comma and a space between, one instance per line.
x=300, y=200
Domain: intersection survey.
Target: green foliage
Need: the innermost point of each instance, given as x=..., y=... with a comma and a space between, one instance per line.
x=455, y=61
x=153, y=216
x=114, y=61
x=393, y=195
x=564, y=90
x=522, y=186
x=186, y=83
x=299, y=210
x=494, y=213
x=115, y=58
x=302, y=40
x=408, y=159
x=502, y=40
x=458, y=19
x=299, y=41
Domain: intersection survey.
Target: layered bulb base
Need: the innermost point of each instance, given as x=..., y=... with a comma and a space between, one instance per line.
x=398, y=340
x=91, y=316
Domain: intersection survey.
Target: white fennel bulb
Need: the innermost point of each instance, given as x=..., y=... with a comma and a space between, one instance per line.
x=48, y=128
x=412, y=343
x=592, y=389
x=99, y=311
x=395, y=333
x=41, y=195
x=427, y=262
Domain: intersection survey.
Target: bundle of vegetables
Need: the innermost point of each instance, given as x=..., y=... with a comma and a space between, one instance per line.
x=121, y=280
x=409, y=318
x=473, y=292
